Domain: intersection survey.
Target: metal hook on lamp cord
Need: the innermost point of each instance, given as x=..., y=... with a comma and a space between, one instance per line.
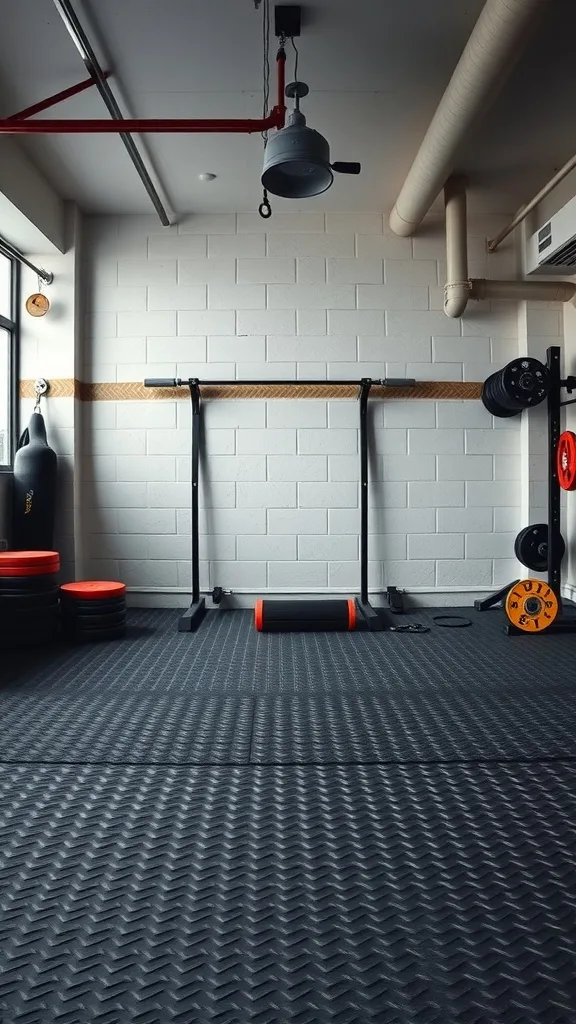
x=265, y=210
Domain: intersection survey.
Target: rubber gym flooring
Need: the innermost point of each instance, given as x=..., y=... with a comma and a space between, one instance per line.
x=228, y=826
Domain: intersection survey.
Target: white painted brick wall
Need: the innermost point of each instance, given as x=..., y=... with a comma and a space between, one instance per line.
x=299, y=468
x=330, y=441
x=267, y=495
x=179, y=297
x=271, y=441
x=312, y=296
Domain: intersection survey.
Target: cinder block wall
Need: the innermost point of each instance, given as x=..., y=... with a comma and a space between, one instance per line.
x=312, y=296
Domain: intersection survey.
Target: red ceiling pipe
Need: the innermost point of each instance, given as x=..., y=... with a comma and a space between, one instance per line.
x=51, y=101
x=18, y=125
x=162, y=126
x=281, y=79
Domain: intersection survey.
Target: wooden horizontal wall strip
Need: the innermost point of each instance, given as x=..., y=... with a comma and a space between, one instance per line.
x=62, y=387
x=136, y=392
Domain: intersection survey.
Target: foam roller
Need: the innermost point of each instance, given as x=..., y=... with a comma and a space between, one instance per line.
x=304, y=616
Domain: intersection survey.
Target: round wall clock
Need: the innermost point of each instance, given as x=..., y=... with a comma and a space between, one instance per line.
x=37, y=304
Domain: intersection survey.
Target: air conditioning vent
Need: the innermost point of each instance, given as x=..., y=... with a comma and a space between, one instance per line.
x=565, y=256
x=545, y=237
x=552, y=249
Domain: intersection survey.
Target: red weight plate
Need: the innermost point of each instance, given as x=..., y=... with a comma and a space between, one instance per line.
x=351, y=613
x=93, y=590
x=7, y=571
x=25, y=559
x=566, y=461
x=258, y=616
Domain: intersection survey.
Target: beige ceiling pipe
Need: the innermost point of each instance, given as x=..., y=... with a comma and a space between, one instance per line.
x=494, y=45
x=457, y=287
x=523, y=212
x=545, y=291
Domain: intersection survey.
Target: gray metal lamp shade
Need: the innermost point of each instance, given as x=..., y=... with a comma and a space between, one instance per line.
x=297, y=161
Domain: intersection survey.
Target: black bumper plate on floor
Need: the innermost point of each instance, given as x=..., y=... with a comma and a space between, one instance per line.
x=399, y=895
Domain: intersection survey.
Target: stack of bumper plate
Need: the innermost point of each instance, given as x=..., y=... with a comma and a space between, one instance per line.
x=93, y=610
x=28, y=597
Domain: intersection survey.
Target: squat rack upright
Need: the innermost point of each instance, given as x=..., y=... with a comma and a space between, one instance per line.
x=554, y=404
x=369, y=617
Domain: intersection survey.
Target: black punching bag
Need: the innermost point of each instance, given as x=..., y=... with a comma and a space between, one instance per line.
x=35, y=469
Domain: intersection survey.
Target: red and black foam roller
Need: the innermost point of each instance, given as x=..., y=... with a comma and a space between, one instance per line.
x=305, y=616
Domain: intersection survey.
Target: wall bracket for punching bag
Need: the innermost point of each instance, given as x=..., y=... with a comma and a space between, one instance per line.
x=35, y=473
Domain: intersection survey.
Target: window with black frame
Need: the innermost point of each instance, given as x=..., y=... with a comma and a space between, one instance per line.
x=8, y=357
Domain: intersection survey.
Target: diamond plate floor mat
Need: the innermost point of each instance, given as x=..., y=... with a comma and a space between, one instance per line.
x=447, y=724
x=169, y=698
x=227, y=656
x=130, y=729
x=399, y=895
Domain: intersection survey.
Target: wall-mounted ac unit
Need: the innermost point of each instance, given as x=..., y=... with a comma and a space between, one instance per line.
x=552, y=249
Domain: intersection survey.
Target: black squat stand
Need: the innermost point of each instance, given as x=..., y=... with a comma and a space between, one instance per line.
x=372, y=619
x=192, y=618
x=561, y=624
x=366, y=617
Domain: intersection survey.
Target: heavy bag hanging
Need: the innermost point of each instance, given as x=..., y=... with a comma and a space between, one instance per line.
x=35, y=469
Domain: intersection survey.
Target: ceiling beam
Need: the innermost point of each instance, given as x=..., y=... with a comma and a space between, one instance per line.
x=90, y=60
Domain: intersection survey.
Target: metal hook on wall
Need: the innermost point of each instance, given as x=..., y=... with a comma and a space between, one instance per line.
x=41, y=388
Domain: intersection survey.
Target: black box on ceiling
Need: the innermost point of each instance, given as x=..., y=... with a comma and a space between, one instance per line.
x=287, y=19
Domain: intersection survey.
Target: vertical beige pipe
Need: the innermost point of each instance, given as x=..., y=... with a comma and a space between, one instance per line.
x=457, y=287
x=488, y=57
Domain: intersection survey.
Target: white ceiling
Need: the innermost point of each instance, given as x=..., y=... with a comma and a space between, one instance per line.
x=376, y=70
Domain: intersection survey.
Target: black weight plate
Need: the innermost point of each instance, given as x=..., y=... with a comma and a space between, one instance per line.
x=25, y=627
x=27, y=584
x=113, y=604
x=500, y=395
x=524, y=383
x=519, y=544
x=9, y=602
x=490, y=402
x=11, y=643
x=26, y=620
x=529, y=544
x=19, y=609
x=32, y=638
x=93, y=621
x=72, y=628
x=93, y=635
x=531, y=547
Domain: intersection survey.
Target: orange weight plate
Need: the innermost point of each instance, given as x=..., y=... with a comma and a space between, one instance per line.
x=17, y=559
x=566, y=461
x=93, y=590
x=531, y=605
x=28, y=570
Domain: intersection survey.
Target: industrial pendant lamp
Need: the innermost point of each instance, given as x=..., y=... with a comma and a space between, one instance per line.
x=297, y=158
